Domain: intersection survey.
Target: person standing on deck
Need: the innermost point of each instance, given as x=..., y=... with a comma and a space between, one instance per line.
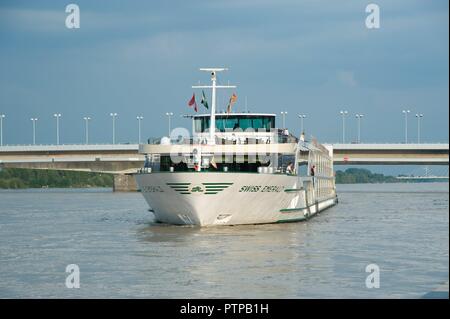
x=290, y=169
x=313, y=173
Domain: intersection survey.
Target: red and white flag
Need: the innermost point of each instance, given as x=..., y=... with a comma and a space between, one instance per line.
x=193, y=103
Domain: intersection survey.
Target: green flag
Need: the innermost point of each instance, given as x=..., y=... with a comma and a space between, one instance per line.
x=204, y=101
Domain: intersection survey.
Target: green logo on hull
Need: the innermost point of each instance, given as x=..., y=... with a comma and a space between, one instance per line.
x=199, y=189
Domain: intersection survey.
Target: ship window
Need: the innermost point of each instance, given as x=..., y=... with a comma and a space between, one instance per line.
x=201, y=124
x=205, y=124
x=303, y=169
x=268, y=123
x=245, y=123
x=198, y=125
x=257, y=123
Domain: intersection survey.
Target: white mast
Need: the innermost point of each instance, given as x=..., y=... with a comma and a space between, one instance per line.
x=213, y=87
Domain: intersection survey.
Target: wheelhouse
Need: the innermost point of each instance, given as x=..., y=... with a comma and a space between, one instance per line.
x=235, y=121
x=240, y=128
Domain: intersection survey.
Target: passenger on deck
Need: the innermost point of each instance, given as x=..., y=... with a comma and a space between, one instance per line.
x=313, y=173
x=290, y=169
x=313, y=170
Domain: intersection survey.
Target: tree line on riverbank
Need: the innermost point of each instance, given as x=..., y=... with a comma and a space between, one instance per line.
x=15, y=178
x=362, y=176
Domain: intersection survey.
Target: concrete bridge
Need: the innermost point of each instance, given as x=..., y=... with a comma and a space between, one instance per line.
x=391, y=154
x=117, y=159
x=104, y=158
x=123, y=159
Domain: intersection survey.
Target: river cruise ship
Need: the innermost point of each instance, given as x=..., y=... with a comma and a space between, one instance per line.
x=235, y=168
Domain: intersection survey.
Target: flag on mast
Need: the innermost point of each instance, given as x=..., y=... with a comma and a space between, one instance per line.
x=193, y=103
x=233, y=99
x=204, y=101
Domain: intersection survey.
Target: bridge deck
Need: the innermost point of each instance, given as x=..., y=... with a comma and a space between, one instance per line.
x=121, y=158
x=391, y=154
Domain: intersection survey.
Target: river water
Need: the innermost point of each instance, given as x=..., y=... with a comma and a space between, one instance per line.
x=121, y=252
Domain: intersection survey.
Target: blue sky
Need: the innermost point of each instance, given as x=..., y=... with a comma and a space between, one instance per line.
x=141, y=58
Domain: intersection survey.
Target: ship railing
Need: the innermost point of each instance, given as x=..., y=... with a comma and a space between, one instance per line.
x=279, y=138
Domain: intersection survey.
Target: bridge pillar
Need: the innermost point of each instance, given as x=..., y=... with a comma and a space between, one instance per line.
x=124, y=183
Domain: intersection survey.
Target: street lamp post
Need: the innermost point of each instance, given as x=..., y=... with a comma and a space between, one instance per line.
x=302, y=117
x=419, y=116
x=86, y=128
x=57, y=116
x=406, y=124
x=139, y=118
x=2, y=116
x=34, y=119
x=359, y=117
x=169, y=115
x=284, y=119
x=113, y=115
x=343, y=113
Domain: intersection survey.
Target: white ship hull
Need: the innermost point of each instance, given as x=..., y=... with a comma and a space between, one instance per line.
x=207, y=199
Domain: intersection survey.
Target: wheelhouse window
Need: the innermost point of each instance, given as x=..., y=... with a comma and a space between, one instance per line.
x=242, y=122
